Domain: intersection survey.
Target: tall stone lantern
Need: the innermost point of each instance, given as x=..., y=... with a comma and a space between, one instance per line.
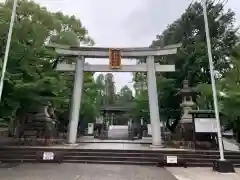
x=186, y=126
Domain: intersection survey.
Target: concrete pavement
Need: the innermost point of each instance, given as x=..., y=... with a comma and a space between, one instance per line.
x=84, y=172
x=202, y=174
x=108, y=172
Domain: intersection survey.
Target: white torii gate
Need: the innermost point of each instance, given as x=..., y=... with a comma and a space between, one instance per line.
x=93, y=52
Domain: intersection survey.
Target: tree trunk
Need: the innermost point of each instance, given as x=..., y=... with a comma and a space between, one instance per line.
x=237, y=129
x=20, y=122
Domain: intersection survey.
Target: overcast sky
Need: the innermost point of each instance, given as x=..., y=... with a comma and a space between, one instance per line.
x=125, y=22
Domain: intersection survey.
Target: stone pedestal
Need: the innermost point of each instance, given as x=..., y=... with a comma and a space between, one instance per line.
x=223, y=166
x=157, y=146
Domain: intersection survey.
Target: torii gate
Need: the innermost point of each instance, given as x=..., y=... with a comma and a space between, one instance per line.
x=115, y=65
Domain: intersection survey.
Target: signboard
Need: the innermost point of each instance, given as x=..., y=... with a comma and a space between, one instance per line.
x=205, y=125
x=172, y=159
x=48, y=156
x=90, y=128
x=115, y=58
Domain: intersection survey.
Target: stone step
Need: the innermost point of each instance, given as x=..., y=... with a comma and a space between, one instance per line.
x=112, y=162
x=117, y=151
x=79, y=154
x=138, y=157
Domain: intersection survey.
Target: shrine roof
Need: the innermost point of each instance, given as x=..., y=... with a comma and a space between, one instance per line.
x=118, y=107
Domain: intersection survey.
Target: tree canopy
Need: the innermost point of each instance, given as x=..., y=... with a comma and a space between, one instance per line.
x=30, y=78
x=32, y=81
x=191, y=60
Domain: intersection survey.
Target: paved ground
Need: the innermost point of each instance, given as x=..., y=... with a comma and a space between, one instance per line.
x=230, y=145
x=83, y=172
x=91, y=139
x=108, y=172
x=202, y=174
x=118, y=132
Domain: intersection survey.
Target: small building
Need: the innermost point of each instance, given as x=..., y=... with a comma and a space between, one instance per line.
x=116, y=114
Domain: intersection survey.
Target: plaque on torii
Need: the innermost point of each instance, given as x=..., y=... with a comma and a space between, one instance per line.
x=115, y=58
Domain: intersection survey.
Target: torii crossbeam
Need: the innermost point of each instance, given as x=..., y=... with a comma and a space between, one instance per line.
x=97, y=52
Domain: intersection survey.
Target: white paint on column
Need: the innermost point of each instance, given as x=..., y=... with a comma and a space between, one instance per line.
x=153, y=102
x=76, y=101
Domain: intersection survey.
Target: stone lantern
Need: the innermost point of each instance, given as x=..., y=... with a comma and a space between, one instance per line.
x=187, y=103
x=185, y=129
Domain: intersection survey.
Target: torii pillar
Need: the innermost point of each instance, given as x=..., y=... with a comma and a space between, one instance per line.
x=92, y=52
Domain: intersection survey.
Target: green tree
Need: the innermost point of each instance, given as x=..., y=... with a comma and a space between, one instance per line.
x=191, y=60
x=141, y=109
x=30, y=78
x=125, y=95
x=110, y=90
x=101, y=89
x=230, y=86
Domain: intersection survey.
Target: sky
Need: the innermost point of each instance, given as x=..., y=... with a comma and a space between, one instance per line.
x=125, y=23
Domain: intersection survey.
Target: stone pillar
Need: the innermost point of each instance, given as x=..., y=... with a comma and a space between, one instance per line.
x=130, y=130
x=112, y=118
x=153, y=102
x=76, y=100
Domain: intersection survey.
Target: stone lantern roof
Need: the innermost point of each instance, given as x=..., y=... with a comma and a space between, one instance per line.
x=186, y=90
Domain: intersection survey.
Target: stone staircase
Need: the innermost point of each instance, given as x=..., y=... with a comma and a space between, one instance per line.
x=114, y=156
